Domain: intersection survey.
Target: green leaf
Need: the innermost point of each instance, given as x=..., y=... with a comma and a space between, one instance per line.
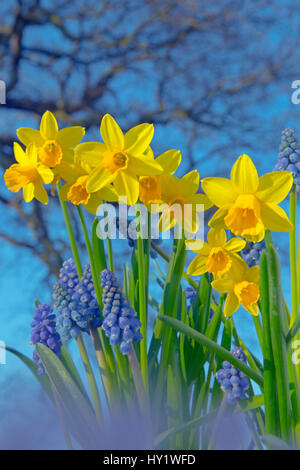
x=214, y=347
x=42, y=379
x=251, y=404
x=274, y=442
x=71, y=368
x=81, y=419
x=293, y=331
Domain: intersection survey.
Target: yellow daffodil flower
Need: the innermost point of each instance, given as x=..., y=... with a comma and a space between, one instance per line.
x=75, y=190
x=180, y=201
x=248, y=205
x=53, y=145
x=28, y=173
x=150, y=186
x=242, y=286
x=120, y=159
x=216, y=255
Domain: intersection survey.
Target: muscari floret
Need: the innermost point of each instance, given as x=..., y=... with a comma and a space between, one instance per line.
x=44, y=332
x=120, y=323
x=252, y=252
x=233, y=382
x=289, y=154
x=75, y=302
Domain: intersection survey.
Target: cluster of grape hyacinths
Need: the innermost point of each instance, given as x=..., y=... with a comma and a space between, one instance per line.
x=75, y=302
x=289, y=154
x=252, y=252
x=120, y=323
x=232, y=381
x=44, y=332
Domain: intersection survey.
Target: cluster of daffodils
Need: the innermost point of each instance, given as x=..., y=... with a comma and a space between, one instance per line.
x=247, y=207
x=123, y=165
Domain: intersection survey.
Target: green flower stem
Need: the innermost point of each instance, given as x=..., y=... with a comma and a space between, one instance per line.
x=167, y=258
x=80, y=344
x=110, y=255
x=61, y=417
x=70, y=232
x=103, y=357
x=271, y=405
x=293, y=254
x=90, y=376
x=142, y=303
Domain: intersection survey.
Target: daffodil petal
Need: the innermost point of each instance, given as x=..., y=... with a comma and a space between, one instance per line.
x=216, y=237
x=253, y=309
x=198, y=246
x=274, y=218
x=201, y=202
x=144, y=166
x=138, y=139
x=111, y=133
x=98, y=178
x=223, y=285
x=90, y=153
x=166, y=222
x=63, y=193
x=217, y=220
x=191, y=181
x=234, y=245
x=28, y=192
x=169, y=160
x=220, y=191
x=40, y=193
x=244, y=175
x=30, y=136
x=274, y=187
x=20, y=155
x=45, y=173
x=48, y=126
x=197, y=266
x=69, y=137
x=253, y=274
x=127, y=184
x=231, y=305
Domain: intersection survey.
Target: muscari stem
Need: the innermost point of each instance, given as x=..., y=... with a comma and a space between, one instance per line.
x=293, y=254
x=90, y=376
x=80, y=344
x=142, y=302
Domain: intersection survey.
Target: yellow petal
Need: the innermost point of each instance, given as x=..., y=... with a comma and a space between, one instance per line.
x=239, y=268
x=127, y=184
x=144, y=166
x=197, y=266
x=63, y=193
x=198, y=246
x=217, y=220
x=166, y=222
x=98, y=178
x=219, y=190
x=253, y=274
x=30, y=136
x=32, y=154
x=201, y=201
x=45, y=173
x=274, y=218
x=90, y=153
x=70, y=136
x=48, y=126
x=20, y=155
x=40, y=193
x=255, y=238
x=138, y=139
x=223, y=285
x=28, y=192
x=14, y=179
x=231, y=305
x=169, y=160
x=274, y=187
x=216, y=237
x=244, y=175
x=111, y=133
x=253, y=309
x=234, y=245
x=191, y=181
